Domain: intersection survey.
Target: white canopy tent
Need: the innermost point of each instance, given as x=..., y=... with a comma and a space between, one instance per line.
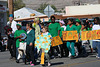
x=24, y=13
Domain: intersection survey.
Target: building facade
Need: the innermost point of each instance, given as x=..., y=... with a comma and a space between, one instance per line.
x=3, y=15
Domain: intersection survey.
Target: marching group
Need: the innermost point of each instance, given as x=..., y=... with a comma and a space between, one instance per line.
x=38, y=39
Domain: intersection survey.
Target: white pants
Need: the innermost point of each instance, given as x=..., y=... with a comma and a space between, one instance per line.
x=21, y=52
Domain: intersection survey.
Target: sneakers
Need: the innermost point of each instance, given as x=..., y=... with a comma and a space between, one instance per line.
x=14, y=58
x=44, y=65
x=72, y=57
x=17, y=61
x=97, y=56
x=49, y=64
x=31, y=63
x=59, y=55
x=11, y=58
x=52, y=56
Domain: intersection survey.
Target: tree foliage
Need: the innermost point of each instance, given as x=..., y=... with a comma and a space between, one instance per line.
x=54, y=8
x=43, y=6
x=18, y=4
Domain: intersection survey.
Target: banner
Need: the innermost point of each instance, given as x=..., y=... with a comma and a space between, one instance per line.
x=56, y=41
x=90, y=35
x=86, y=35
x=97, y=34
x=70, y=35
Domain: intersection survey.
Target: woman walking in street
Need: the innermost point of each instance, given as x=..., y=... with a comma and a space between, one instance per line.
x=71, y=27
x=30, y=43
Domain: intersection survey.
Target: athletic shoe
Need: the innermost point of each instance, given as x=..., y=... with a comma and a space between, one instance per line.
x=49, y=64
x=32, y=64
x=17, y=61
x=72, y=57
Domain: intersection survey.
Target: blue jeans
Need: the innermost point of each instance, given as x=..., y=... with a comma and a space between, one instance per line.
x=96, y=46
x=17, y=52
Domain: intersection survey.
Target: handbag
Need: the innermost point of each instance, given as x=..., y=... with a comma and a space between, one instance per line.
x=22, y=46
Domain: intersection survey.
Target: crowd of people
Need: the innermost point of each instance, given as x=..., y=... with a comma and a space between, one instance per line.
x=38, y=39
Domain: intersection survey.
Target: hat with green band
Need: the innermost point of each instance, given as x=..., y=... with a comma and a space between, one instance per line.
x=19, y=24
x=77, y=20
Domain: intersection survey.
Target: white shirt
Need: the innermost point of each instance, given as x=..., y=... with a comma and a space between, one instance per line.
x=13, y=26
x=96, y=27
x=64, y=27
x=45, y=33
x=28, y=31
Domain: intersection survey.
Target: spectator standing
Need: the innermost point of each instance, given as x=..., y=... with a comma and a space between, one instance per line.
x=11, y=41
x=54, y=31
x=18, y=36
x=96, y=43
x=30, y=43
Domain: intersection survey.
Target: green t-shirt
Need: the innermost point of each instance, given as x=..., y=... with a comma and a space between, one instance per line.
x=18, y=33
x=61, y=29
x=53, y=29
x=79, y=28
x=83, y=30
x=73, y=28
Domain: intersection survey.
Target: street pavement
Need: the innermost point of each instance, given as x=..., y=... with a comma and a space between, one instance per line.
x=89, y=61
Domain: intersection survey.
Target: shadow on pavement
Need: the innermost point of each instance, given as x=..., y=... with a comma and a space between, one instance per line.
x=59, y=63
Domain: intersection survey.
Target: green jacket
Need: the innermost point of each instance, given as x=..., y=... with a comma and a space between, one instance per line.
x=30, y=37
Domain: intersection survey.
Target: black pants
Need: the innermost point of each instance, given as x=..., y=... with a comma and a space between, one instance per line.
x=79, y=47
x=0, y=46
x=52, y=51
x=12, y=47
x=64, y=49
x=30, y=53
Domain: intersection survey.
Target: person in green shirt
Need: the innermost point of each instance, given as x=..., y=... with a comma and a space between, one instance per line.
x=83, y=53
x=78, y=44
x=71, y=27
x=62, y=27
x=78, y=24
x=18, y=36
x=82, y=29
x=90, y=29
x=63, y=46
x=53, y=29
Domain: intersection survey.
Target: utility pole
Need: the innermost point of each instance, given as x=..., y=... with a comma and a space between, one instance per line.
x=99, y=1
x=10, y=6
x=79, y=3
